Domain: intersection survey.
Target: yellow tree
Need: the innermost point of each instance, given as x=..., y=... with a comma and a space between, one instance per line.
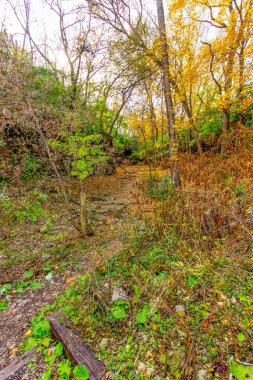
x=227, y=45
x=186, y=69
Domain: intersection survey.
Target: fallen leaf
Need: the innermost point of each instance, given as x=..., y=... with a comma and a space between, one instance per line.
x=13, y=351
x=149, y=355
x=71, y=280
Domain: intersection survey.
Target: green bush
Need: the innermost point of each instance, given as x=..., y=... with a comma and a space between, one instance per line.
x=160, y=188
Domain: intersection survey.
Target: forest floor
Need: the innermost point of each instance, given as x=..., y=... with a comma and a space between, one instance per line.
x=37, y=265
x=183, y=258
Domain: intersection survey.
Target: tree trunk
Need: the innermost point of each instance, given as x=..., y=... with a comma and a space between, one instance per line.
x=192, y=123
x=84, y=214
x=225, y=127
x=154, y=128
x=226, y=117
x=167, y=95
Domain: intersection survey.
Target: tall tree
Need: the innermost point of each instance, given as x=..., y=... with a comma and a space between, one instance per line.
x=167, y=87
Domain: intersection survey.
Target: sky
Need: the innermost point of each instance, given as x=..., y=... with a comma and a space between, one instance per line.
x=42, y=17
x=43, y=22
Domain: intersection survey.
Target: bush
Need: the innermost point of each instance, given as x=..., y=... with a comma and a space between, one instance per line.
x=160, y=188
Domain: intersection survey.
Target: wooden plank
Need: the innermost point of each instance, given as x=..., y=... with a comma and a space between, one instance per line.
x=75, y=348
x=17, y=365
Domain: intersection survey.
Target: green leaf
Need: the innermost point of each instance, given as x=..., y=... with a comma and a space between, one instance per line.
x=35, y=285
x=46, y=342
x=81, y=372
x=31, y=343
x=241, y=370
x=192, y=280
x=142, y=317
x=41, y=329
x=28, y=274
x=118, y=313
x=58, y=349
x=50, y=359
x=5, y=289
x=46, y=375
x=241, y=337
x=3, y=304
x=47, y=268
x=20, y=290
x=64, y=369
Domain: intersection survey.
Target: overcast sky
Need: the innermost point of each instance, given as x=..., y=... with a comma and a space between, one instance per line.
x=42, y=18
x=43, y=21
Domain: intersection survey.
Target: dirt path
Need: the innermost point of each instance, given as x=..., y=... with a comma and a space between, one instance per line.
x=111, y=200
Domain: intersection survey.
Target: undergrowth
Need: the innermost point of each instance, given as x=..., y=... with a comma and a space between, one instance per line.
x=186, y=279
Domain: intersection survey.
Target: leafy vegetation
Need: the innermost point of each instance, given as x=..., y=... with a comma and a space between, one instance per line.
x=126, y=186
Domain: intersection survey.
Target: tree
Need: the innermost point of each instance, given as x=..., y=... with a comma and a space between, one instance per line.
x=167, y=85
x=227, y=51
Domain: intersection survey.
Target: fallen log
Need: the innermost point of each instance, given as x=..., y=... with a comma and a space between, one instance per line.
x=75, y=348
x=17, y=364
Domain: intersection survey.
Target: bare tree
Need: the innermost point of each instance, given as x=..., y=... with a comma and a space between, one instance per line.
x=74, y=46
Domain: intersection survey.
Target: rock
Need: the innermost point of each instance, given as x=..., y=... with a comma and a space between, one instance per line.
x=150, y=371
x=45, y=256
x=180, y=310
x=104, y=343
x=141, y=367
x=182, y=334
x=99, y=218
x=118, y=202
x=112, y=208
x=104, y=168
x=202, y=374
x=100, y=211
x=25, y=376
x=49, y=278
x=119, y=294
x=149, y=355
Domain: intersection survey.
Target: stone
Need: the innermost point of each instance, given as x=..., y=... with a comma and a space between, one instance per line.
x=45, y=256
x=149, y=355
x=25, y=376
x=180, y=310
x=104, y=168
x=104, y=343
x=150, y=371
x=202, y=374
x=141, y=367
x=119, y=294
x=145, y=337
